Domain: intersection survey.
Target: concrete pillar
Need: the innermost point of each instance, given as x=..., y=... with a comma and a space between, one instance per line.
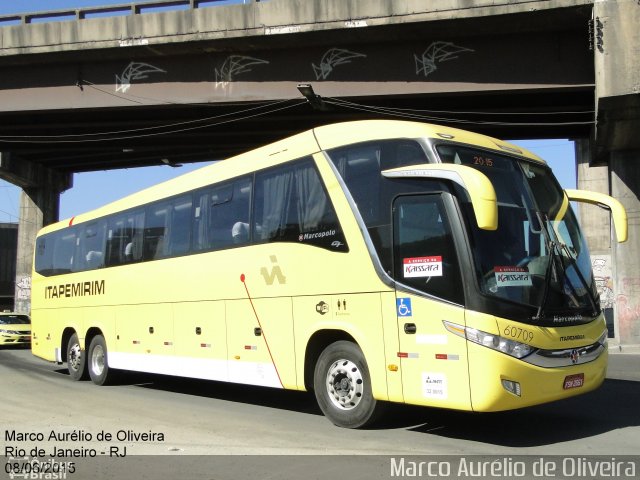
x=617, y=143
x=594, y=220
x=39, y=206
x=625, y=186
x=596, y=226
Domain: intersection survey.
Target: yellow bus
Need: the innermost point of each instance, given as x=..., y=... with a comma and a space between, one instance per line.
x=370, y=262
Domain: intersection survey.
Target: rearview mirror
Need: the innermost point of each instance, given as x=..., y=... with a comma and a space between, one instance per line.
x=477, y=185
x=618, y=213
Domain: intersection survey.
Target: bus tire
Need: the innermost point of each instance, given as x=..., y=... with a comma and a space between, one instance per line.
x=342, y=386
x=76, y=359
x=97, y=361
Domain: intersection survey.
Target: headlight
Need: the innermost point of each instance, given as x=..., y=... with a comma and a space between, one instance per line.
x=2, y=330
x=495, y=342
x=604, y=338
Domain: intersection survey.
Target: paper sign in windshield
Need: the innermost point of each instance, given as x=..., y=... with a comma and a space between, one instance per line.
x=422, y=267
x=512, y=277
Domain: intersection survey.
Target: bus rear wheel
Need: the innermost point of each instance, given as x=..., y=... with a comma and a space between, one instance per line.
x=97, y=361
x=76, y=359
x=343, y=386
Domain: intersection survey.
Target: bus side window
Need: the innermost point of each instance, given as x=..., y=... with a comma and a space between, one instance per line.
x=360, y=166
x=44, y=255
x=424, y=252
x=179, y=241
x=55, y=252
x=221, y=216
x=360, y=169
x=90, y=252
x=291, y=205
x=64, y=246
x=241, y=210
x=156, y=228
x=124, y=238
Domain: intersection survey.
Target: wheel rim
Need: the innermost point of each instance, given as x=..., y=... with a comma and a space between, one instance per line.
x=345, y=384
x=97, y=360
x=75, y=357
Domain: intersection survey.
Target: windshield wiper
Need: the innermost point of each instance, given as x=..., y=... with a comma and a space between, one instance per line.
x=554, y=247
x=587, y=287
x=551, y=247
x=565, y=280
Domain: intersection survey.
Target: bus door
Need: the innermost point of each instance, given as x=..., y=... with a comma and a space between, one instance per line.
x=429, y=291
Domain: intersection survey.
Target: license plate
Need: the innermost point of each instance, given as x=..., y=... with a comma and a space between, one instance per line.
x=573, y=381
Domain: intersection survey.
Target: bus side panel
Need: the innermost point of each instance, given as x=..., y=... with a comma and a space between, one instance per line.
x=144, y=329
x=200, y=330
x=357, y=315
x=159, y=319
x=261, y=355
x=46, y=334
x=47, y=323
x=162, y=338
x=433, y=360
x=141, y=331
x=102, y=318
x=391, y=346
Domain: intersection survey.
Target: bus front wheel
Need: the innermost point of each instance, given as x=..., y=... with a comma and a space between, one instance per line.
x=343, y=386
x=97, y=361
x=76, y=359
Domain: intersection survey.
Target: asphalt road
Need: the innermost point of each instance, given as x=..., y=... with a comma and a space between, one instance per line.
x=153, y=416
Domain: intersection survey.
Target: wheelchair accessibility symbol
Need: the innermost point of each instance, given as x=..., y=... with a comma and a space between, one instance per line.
x=403, y=306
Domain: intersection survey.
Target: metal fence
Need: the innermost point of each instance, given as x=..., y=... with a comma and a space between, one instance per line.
x=114, y=10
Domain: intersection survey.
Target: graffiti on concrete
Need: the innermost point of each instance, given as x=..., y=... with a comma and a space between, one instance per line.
x=601, y=265
x=135, y=71
x=333, y=58
x=23, y=289
x=436, y=53
x=628, y=311
x=235, y=65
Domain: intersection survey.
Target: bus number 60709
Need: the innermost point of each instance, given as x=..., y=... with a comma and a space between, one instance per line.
x=518, y=333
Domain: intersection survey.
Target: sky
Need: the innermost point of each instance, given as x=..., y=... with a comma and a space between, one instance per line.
x=94, y=189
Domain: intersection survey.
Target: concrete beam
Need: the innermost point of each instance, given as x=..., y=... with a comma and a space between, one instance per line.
x=274, y=17
x=375, y=68
x=29, y=175
x=617, y=66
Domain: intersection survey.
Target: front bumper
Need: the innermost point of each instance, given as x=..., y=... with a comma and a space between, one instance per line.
x=15, y=338
x=538, y=384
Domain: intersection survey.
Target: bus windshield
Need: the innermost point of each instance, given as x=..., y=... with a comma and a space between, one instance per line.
x=537, y=256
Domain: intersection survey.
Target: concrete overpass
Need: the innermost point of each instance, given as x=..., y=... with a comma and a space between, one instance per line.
x=145, y=85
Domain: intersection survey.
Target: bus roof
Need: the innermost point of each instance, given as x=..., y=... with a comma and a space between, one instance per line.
x=306, y=143
x=330, y=136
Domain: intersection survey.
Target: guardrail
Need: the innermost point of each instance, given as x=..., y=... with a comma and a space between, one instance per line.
x=110, y=10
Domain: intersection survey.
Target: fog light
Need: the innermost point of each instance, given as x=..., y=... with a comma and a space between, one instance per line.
x=512, y=387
